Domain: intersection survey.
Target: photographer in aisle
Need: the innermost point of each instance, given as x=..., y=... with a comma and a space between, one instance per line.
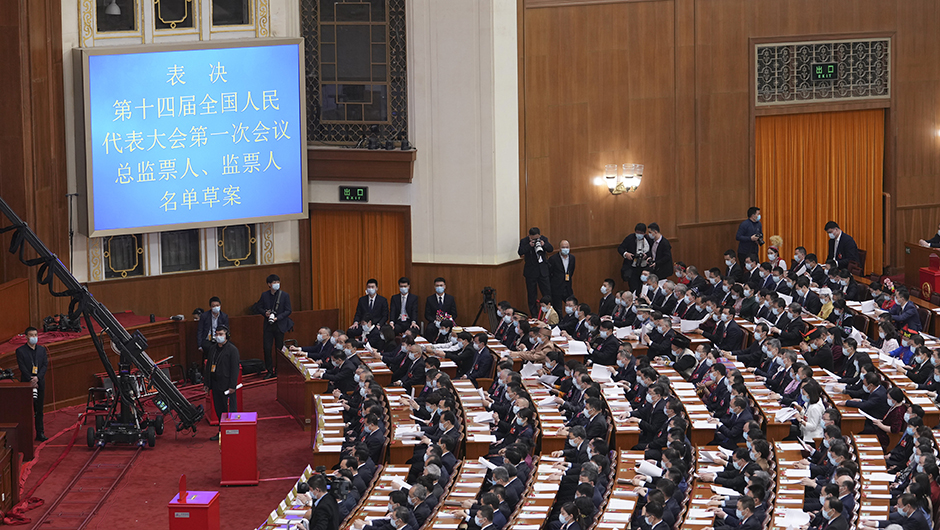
x=33, y=360
x=274, y=304
x=534, y=251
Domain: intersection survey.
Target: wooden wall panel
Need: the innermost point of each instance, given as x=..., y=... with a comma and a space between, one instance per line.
x=174, y=294
x=466, y=282
x=14, y=313
x=668, y=84
x=349, y=245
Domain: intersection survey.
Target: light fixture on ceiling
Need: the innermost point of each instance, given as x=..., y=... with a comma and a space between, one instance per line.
x=113, y=9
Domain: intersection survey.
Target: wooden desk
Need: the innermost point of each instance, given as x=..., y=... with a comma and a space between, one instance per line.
x=17, y=410
x=915, y=257
x=328, y=431
x=295, y=391
x=875, y=493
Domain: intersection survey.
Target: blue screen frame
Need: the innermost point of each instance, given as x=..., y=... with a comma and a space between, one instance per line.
x=193, y=135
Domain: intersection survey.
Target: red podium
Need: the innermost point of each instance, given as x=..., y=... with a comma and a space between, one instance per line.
x=239, y=441
x=199, y=510
x=930, y=277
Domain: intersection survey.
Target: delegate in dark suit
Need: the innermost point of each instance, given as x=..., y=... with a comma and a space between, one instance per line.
x=875, y=405
x=534, y=253
x=275, y=303
x=847, y=251
x=481, y=365
x=606, y=352
x=403, y=319
x=811, y=302
x=325, y=514
x=661, y=255
x=33, y=362
x=377, y=308
x=560, y=280
x=438, y=302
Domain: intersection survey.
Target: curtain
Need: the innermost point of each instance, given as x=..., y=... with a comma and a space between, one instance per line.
x=813, y=168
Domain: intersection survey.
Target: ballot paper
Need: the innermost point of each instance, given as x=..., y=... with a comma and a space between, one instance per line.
x=703, y=425
x=688, y=326
x=863, y=413
x=880, y=477
x=556, y=331
x=547, y=401
x=620, y=504
x=576, y=347
x=400, y=483
x=718, y=490
x=618, y=517
x=796, y=473
x=786, y=298
x=791, y=518
x=783, y=415
x=600, y=373
x=648, y=469
x=483, y=438
x=412, y=416
x=489, y=465
x=699, y=513
x=548, y=379
x=530, y=370
x=868, y=306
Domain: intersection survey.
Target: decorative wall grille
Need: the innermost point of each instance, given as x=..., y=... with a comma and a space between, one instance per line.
x=784, y=71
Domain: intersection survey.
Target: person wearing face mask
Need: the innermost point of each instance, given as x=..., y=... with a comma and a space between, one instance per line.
x=438, y=307
x=921, y=368
x=635, y=250
x=274, y=304
x=669, y=299
x=463, y=356
x=842, y=248
x=825, y=298
x=547, y=313
x=832, y=515
x=750, y=234
x=587, y=327
x=910, y=341
x=607, y=305
x=569, y=316
x=789, y=327
x=910, y=517
x=733, y=270
x=904, y=312
x=208, y=322
x=561, y=267
x=33, y=360
x=876, y=403
x=223, y=374
x=697, y=284
x=752, y=356
x=727, y=335
x=752, y=269
x=404, y=307
x=482, y=361
x=341, y=374
x=319, y=351
x=730, y=431
x=605, y=350
x=806, y=297
x=816, y=351
x=898, y=458
x=893, y=420
x=660, y=338
x=414, y=375
x=370, y=304
x=703, y=363
x=324, y=515
x=534, y=250
x=745, y=300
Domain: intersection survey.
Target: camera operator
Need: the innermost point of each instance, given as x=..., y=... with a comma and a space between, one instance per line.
x=274, y=304
x=223, y=374
x=534, y=250
x=635, y=250
x=325, y=513
x=750, y=234
x=33, y=360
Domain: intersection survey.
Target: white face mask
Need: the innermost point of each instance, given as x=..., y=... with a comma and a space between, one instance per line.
x=216, y=310
x=728, y=262
x=439, y=289
x=644, y=277
x=507, y=319
x=565, y=251
x=404, y=290
x=370, y=291
x=603, y=334
x=276, y=285
x=749, y=266
x=603, y=289
x=33, y=341
x=220, y=338
x=832, y=235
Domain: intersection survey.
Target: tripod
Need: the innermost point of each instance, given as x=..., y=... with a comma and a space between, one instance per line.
x=488, y=305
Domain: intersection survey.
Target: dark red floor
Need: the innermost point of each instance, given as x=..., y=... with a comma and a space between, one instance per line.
x=140, y=499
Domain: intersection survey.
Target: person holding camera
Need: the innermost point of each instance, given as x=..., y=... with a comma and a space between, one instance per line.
x=534, y=250
x=274, y=304
x=33, y=360
x=635, y=250
x=223, y=374
x=750, y=234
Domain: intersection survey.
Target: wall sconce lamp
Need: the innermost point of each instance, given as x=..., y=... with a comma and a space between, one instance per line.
x=629, y=180
x=113, y=9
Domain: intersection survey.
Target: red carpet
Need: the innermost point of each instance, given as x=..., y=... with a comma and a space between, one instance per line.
x=141, y=497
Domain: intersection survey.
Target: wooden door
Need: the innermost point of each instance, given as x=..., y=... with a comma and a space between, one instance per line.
x=351, y=244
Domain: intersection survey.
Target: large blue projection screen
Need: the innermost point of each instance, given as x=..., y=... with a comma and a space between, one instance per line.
x=203, y=136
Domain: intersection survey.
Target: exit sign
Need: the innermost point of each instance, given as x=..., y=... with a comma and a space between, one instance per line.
x=354, y=194
x=824, y=71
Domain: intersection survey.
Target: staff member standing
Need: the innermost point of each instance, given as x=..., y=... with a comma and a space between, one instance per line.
x=274, y=304
x=208, y=323
x=561, y=272
x=223, y=374
x=534, y=250
x=750, y=233
x=33, y=360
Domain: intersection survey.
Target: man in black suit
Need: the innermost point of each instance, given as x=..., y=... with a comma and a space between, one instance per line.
x=438, y=307
x=325, y=513
x=483, y=361
x=605, y=352
x=576, y=450
x=728, y=335
x=697, y=284
x=806, y=297
x=735, y=272
x=752, y=270
x=842, y=247
x=910, y=515
x=340, y=375
x=653, y=516
x=876, y=404
x=635, y=250
x=731, y=430
x=464, y=356
x=274, y=304
x=208, y=322
x=748, y=520
x=817, y=274
x=660, y=253
x=798, y=263
x=608, y=297
x=33, y=360
x=404, y=307
x=372, y=304
x=223, y=374
x=651, y=416
x=596, y=426
x=534, y=251
x=561, y=273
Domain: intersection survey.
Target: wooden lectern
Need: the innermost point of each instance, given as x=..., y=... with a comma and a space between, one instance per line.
x=17, y=399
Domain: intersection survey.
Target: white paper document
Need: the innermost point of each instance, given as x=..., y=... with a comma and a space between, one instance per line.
x=600, y=373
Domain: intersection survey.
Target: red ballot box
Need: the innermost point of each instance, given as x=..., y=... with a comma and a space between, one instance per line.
x=930, y=277
x=198, y=511
x=239, y=440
